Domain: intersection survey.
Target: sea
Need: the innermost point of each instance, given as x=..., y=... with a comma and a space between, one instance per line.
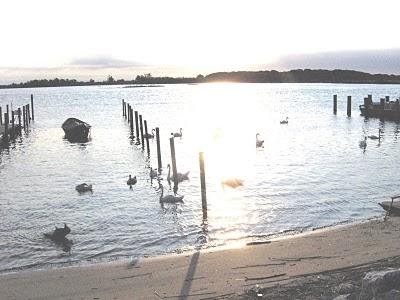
x=311, y=172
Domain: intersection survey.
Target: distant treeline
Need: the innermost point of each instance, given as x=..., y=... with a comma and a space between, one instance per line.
x=293, y=76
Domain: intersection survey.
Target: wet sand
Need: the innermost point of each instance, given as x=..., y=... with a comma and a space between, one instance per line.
x=215, y=274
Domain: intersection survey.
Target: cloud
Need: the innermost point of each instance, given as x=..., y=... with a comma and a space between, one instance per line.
x=103, y=62
x=371, y=61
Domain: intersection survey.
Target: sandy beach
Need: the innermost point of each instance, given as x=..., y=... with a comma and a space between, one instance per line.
x=215, y=274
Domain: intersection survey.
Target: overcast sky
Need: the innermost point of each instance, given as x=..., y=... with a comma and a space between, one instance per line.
x=91, y=39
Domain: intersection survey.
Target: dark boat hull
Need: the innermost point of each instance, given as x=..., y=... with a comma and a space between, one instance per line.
x=76, y=130
x=388, y=114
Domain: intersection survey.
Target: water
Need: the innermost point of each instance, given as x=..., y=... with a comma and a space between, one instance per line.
x=310, y=174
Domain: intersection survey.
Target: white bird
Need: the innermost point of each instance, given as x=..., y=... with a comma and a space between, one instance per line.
x=259, y=143
x=83, y=187
x=363, y=143
x=374, y=137
x=232, y=182
x=180, y=177
x=177, y=134
x=131, y=181
x=285, y=121
x=153, y=173
x=169, y=198
x=149, y=135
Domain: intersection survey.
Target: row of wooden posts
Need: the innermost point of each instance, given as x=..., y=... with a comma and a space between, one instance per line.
x=367, y=101
x=348, y=105
x=136, y=126
x=24, y=115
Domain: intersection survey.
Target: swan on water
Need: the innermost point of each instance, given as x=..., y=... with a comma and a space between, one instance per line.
x=153, y=173
x=286, y=121
x=83, y=187
x=169, y=198
x=363, y=143
x=177, y=134
x=374, y=137
x=180, y=177
x=149, y=135
x=259, y=143
x=131, y=181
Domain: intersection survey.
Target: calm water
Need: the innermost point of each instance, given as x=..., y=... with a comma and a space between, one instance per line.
x=311, y=172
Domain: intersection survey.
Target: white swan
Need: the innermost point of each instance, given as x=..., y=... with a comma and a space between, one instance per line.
x=169, y=198
x=374, y=137
x=259, y=143
x=153, y=173
x=83, y=187
x=180, y=177
x=149, y=135
x=363, y=143
x=177, y=134
x=232, y=182
x=131, y=181
x=285, y=121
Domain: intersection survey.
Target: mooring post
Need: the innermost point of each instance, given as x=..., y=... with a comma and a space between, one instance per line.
x=137, y=126
x=382, y=103
x=129, y=114
x=173, y=160
x=147, y=138
x=203, y=185
x=369, y=99
x=1, y=116
x=23, y=115
x=158, y=150
x=349, y=106
x=19, y=120
x=26, y=116
x=131, y=118
x=397, y=105
x=33, y=112
x=123, y=108
x=8, y=110
x=6, y=121
x=141, y=131
x=29, y=112
x=12, y=125
x=334, y=104
x=387, y=98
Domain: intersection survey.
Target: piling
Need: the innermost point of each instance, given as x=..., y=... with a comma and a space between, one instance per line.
x=129, y=114
x=6, y=121
x=334, y=104
x=349, y=106
x=131, y=123
x=1, y=116
x=203, y=185
x=387, y=98
x=33, y=112
x=382, y=102
x=29, y=112
x=173, y=160
x=12, y=125
x=141, y=131
x=123, y=108
x=397, y=105
x=19, y=120
x=8, y=110
x=23, y=115
x=158, y=149
x=147, y=138
x=137, y=126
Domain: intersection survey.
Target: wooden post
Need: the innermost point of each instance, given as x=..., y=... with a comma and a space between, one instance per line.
x=397, y=105
x=173, y=160
x=1, y=116
x=158, y=149
x=19, y=120
x=6, y=121
x=349, y=106
x=33, y=113
x=137, y=126
x=123, y=108
x=12, y=125
x=131, y=123
x=334, y=104
x=370, y=99
x=141, y=131
x=23, y=115
x=8, y=110
x=29, y=113
x=203, y=185
x=147, y=138
x=387, y=98
x=129, y=113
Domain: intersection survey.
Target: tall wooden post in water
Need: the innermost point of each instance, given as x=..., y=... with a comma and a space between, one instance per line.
x=137, y=126
x=147, y=138
x=19, y=120
x=131, y=120
x=33, y=112
x=141, y=131
x=349, y=106
x=6, y=121
x=158, y=150
x=173, y=160
x=203, y=185
x=1, y=116
x=12, y=125
x=335, y=104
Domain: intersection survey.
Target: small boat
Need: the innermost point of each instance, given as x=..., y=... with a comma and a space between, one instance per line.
x=384, y=109
x=76, y=130
x=392, y=207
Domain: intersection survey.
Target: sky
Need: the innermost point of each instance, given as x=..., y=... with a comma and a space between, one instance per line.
x=94, y=39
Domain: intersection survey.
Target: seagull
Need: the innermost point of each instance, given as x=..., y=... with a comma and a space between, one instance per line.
x=169, y=198
x=259, y=143
x=177, y=134
x=180, y=177
x=284, y=121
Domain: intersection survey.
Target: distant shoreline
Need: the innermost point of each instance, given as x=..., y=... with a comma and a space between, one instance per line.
x=293, y=76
